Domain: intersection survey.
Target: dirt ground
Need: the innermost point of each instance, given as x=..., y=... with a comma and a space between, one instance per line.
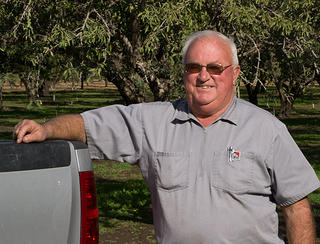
x=129, y=235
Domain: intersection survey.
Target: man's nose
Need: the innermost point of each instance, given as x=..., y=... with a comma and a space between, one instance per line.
x=204, y=75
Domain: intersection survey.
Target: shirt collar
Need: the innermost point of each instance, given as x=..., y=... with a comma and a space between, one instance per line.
x=183, y=112
x=230, y=114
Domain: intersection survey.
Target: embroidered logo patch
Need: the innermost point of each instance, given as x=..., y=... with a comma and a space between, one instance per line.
x=233, y=155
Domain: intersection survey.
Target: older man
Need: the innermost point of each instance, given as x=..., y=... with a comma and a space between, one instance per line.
x=216, y=166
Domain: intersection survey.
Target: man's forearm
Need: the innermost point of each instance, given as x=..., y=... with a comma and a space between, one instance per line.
x=299, y=223
x=69, y=127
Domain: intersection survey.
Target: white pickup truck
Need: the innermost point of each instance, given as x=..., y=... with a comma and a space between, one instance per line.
x=47, y=194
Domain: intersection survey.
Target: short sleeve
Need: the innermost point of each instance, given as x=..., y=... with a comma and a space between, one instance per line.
x=114, y=132
x=292, y=176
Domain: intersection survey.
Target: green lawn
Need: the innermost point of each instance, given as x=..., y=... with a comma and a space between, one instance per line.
x=124, y=202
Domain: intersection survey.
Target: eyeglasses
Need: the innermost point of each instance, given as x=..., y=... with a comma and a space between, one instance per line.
x=212, y=69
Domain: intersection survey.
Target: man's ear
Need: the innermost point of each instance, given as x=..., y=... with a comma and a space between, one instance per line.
x=235, y=74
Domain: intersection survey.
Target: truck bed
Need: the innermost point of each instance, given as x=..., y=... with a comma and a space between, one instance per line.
x=40, y=191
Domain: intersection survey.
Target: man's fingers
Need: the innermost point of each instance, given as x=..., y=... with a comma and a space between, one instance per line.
x=21, y=130
x=27, y=138
x=26, y=131
x=16, y=130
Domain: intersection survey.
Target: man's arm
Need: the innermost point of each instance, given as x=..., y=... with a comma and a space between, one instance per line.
x=299, y=223
x=65, y=127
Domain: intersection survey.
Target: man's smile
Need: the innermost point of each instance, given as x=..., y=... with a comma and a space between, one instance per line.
x=204, y=87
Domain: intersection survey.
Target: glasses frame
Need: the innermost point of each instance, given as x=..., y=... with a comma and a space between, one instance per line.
x=200, y=66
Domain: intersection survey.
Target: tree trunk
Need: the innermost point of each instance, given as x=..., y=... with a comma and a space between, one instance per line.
x=1, y=102
x=159, y=89
x=285, y=108
x=54, y=92
x=128, y=95
x=286, y=101
x=83, y=77
x=82, y=82
x=29, y=84
x=44, y=89
x=128, y=91
x=252, y=93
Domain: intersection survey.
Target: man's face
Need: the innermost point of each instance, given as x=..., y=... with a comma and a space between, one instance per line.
x=210, y=94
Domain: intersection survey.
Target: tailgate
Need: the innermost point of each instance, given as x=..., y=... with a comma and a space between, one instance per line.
x=39, y=189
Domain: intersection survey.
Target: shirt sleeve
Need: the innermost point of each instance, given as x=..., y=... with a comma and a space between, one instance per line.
x=292, y=176
x=114, y=132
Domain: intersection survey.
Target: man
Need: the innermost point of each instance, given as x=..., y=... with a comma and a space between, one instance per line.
x=216, y=166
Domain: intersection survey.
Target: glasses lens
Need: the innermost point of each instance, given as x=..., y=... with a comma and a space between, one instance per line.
x=193, y=68
x=214, y=69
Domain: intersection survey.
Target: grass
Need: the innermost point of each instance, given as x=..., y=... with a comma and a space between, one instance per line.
x=124, y=201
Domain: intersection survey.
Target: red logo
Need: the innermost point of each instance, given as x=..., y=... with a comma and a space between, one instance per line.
x=233, y=155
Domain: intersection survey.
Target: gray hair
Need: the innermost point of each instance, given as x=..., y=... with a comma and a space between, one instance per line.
x=190, y=39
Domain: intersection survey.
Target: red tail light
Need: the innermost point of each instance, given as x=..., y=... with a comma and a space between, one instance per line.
x=89, y=209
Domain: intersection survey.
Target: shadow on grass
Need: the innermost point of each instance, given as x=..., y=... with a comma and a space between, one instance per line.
x=97, y=104
x=50, y=111
x=21, y=112
x=312, y=154
x=66, y=102
x=67, y=93
x=88, y=93
x=6, y=135
x=308, y=121
x=128, y=200
x=305, y=131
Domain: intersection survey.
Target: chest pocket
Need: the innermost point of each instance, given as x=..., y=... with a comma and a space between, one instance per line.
x=171, y=169
x=234, y=175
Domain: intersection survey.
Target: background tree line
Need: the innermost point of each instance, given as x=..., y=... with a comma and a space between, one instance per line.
x=136, y=44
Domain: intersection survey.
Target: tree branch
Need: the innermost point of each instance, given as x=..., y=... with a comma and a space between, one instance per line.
x=24, y=13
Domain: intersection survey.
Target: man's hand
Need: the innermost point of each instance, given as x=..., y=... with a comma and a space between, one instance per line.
x=299, y=223
x=29, y=131
x=63, y=127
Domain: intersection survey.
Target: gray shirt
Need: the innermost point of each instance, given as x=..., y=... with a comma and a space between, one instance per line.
x=219, y=184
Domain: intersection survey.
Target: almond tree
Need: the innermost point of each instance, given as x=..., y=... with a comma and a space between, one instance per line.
x=136, y=44
x=279, y=45
x=24, y=30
